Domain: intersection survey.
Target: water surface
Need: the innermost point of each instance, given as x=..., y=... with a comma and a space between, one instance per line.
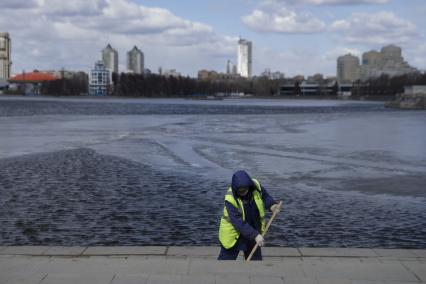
x=154, y=172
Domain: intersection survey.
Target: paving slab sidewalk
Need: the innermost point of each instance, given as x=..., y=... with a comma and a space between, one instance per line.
x=127, y=265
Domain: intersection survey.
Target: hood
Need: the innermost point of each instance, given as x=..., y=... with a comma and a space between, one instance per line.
x=241, y=179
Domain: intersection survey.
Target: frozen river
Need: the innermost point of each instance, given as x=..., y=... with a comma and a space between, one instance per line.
x=154, y=172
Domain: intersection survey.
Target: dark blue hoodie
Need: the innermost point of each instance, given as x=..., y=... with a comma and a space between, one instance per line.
x=251, y=227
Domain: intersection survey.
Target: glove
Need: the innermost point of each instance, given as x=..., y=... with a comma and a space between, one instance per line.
x=275, y=208
x=260, y=240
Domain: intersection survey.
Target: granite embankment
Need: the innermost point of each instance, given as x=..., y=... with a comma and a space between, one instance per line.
x=34, y=264
x=416, y=102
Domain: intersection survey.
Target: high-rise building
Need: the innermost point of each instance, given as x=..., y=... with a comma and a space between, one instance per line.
x=110, y=58
x=244, y=65
x=372, y=58
x=388, y=61
x=5, y=55
x=99, y=80
x=135, y=61
x=234, y=69
x=231, y=68
x=392, y=53
x=347, y=69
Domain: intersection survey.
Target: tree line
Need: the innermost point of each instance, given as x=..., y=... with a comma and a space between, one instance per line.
x=76, y=85
x=386, y=86
x=154, y=85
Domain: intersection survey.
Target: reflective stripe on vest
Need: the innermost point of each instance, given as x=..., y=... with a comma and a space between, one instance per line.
x=228, y=235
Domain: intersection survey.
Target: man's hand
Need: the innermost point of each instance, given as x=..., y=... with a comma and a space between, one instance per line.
x=260, y=240
x=275, y=208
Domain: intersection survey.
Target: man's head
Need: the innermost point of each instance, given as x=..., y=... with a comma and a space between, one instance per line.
x=242, y=184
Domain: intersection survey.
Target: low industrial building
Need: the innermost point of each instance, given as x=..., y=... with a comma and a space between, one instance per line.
x=307, y=89
x=414, y=97
x=30, y=83
x=345, y=90
x=415, y=90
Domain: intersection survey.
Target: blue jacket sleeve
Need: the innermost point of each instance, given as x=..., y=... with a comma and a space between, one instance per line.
x=267, y=199
x=245, y=229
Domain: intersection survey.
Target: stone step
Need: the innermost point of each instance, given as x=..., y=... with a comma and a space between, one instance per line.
x=207, y=251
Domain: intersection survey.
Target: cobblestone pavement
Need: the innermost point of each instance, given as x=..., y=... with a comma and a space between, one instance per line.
x=125, y=265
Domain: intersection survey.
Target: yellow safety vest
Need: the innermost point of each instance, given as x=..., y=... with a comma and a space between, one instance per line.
x=228, y=235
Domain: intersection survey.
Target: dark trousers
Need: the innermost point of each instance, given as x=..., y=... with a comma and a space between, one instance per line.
x=232, y=253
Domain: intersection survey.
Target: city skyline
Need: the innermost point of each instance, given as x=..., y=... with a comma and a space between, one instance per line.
x=295, y=38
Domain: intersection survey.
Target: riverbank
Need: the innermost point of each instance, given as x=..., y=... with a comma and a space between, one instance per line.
x=168, y=264
x=212, y=98
x=415, y=102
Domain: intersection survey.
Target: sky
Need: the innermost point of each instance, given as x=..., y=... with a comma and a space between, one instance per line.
x=290, y=36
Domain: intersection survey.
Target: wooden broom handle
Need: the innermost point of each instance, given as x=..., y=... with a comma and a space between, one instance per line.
x=266, y=230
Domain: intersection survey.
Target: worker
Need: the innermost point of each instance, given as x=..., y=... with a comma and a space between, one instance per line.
x=243, y=220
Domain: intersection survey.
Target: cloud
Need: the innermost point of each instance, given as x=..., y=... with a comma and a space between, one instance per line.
x=333, y=2
x=72, y=8
x=416, y=56
x=118, y=16
x=276, y=18
x=377, y=29
x=339, y=51
x=18, y=4
x=296, y=61
x=71, y=35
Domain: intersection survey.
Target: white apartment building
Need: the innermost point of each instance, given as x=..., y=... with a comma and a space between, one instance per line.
x=135, y=61
x=244, y=57
x=99, y=80
x=110, y=58
x=5, y=56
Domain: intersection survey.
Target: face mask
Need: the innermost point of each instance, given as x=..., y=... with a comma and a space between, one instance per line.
x=242, y=191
